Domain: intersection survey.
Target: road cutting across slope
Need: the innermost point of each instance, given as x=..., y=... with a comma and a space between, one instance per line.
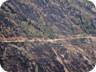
x=45, y=40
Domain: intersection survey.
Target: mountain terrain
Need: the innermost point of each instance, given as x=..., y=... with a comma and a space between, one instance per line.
x=47, y=18
x=48, y=35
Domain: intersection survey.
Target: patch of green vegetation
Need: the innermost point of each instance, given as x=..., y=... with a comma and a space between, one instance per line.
x=24, y=28
x=86, y=26
x=37, y=34
x=30, y=31
x=47, y=32
x=72, y=1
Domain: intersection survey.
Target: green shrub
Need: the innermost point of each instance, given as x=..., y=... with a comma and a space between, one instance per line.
x=25, y=29
x=86, y=26
x=48, y=33
x=30, y=31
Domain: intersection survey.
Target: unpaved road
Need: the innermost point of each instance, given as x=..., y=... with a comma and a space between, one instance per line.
x=47, y=40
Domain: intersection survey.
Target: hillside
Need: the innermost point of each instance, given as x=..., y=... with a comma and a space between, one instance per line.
x=70, y=55
x=47, y=18
x=48, y=36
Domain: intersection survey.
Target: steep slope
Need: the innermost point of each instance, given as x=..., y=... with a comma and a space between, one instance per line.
x=76, y=55
x=48, y=35
x=47, y=18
